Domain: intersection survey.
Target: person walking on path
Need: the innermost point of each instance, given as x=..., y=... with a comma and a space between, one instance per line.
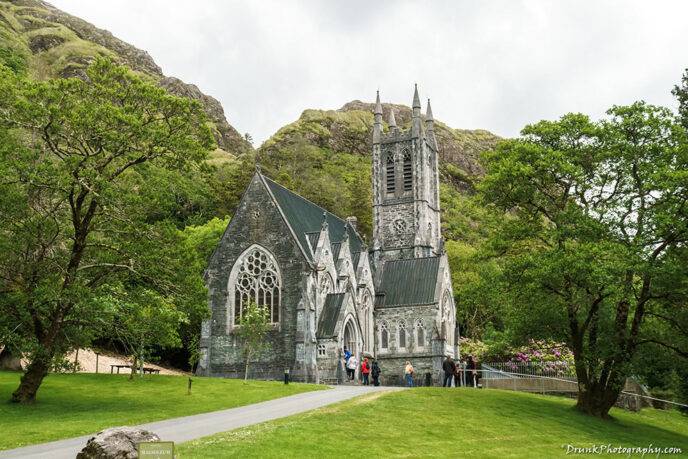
x=365, y=370
x=408, y=374
x=375, y=372
x=351, y=367
x=449, y=368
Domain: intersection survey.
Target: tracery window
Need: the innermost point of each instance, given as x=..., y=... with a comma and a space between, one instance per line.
x=401, y=330
x=257, y=281
x=420, y=333
x=384, y=336
x=389, y=174
x=408, y=171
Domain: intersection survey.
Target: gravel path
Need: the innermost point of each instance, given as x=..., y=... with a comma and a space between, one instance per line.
x=200, y=425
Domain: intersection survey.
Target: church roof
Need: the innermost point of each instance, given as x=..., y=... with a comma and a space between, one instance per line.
x=304, y=217
x=330, y=314
x=406, y=282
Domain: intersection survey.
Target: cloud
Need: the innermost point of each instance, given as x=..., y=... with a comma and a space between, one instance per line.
x=496, y=65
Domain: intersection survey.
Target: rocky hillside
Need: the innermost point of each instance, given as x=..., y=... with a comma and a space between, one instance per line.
x=348, y=130
x=49, y=43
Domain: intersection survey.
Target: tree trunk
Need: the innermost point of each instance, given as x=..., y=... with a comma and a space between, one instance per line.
x=31, y=380
x=248, y=359
x=133, y=367
x=9, y=360
x=597, y=401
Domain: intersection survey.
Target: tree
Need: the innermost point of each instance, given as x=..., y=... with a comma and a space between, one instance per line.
x=142, y=319
x=253, y=330
x=600, y=211
x=681, y=93
x=74, y=161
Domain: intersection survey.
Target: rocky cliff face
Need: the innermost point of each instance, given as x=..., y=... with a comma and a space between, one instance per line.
x=460, y=147
x=56, y=44
x=348, y=131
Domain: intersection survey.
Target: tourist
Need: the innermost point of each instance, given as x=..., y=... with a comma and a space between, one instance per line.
x=408, y=374
x=457, y=373
x=365, y=371
x=471, y=372
x=449, y=368
x=351, y=367
x=375, y=372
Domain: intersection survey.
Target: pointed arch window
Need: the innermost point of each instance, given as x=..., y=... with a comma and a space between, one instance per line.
x=389, y=174
x=408, y=171
x=447, y=319
x=257, y=280
x=367, y=318
x=384, y=336
x=401, y=334
x=326, y=284
x=420, y=334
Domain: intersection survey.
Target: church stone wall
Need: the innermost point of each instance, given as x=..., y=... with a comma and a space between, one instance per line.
x=426, y=359
x=257, y=221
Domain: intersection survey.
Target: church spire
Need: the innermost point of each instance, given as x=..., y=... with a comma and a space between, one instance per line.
x=416, y=101
x=416, y=127
x=392, y=120
x=377, y=125
x=429, y=120
x=430, y=126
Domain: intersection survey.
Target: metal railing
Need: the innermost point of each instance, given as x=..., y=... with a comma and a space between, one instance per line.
x=490, y=377
x=556, y=369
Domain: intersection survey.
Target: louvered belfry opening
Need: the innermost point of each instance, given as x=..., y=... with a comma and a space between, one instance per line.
x=389, y=171
x=408, y=171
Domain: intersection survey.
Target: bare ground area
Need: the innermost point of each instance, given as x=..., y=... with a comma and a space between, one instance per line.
x=87, y=363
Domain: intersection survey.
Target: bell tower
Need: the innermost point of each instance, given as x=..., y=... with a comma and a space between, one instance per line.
x=406, y=205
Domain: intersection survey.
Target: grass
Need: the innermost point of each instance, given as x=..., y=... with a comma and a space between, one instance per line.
x=438, y=422
x=70, y=405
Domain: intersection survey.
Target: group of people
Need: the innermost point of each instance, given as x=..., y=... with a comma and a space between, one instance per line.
x=368, y=369
x=454, y=371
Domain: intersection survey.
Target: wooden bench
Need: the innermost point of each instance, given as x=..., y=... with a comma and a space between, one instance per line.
x=149, y=370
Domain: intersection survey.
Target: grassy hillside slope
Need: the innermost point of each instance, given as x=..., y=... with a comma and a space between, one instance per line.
x=437, y=422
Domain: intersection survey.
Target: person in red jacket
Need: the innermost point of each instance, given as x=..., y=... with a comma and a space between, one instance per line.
x=365, y=370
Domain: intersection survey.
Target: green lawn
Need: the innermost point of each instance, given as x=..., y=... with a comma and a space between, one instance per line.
x=444, y=423
x=69, y=405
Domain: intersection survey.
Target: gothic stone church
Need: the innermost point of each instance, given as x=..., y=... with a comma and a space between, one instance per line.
x=324, y=288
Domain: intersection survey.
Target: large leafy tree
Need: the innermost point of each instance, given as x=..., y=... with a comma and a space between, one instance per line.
x=75, y=226
x=600, y=218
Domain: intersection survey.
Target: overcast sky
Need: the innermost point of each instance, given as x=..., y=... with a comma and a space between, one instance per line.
x=496, y=65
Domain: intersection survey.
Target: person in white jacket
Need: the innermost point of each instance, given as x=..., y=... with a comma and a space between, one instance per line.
x=351, y=366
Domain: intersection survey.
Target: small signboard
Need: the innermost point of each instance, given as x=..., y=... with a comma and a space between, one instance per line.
x=156, y=450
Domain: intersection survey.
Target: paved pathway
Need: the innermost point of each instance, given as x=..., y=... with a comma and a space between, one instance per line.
x=191, y=427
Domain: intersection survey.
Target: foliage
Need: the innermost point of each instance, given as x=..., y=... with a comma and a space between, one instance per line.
x=70, y=402
x=425, y=422
x=254, y=326
x=594, y=245
x=75, y=208
x=681, y=93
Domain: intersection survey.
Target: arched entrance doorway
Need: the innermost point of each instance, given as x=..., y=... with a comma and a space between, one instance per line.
x=351, y=340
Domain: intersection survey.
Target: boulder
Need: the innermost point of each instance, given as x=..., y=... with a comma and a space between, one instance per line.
x=116, y=443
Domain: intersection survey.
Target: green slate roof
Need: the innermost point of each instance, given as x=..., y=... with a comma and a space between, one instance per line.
x=329, y=315
x=306, y=217
x=406, y=282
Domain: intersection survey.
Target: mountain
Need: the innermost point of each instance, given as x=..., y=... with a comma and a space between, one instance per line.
x=325, y=156
x=49, y=43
